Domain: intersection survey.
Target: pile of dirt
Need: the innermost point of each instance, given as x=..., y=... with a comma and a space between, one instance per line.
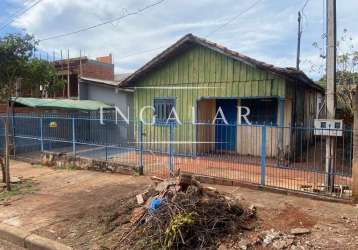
x=180, y=213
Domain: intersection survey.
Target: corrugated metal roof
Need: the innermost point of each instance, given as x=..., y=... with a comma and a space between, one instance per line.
x=46, y=103
x=104, y=82
x=121, y=77
x=100, y=81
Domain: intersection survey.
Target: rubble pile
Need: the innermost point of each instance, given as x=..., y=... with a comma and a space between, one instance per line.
x=181, y=213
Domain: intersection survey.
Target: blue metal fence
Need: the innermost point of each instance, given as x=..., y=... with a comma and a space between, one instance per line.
x=290, y=158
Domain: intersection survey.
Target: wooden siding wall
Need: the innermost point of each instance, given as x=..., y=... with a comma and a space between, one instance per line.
x=249, y=138
x=304, y=108
x=205, y=133
x=199, y=72
x=219, y=76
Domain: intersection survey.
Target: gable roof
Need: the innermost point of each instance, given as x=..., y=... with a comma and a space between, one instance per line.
x=190, y=39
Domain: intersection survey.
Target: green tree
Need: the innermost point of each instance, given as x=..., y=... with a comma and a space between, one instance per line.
x=347, y=73
x=15, y=52
x=42, y=73
x=17, y=65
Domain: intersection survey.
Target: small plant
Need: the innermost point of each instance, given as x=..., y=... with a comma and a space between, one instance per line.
x=37, y=165
x=21, y=188
x=68, y=166
x=173, y=233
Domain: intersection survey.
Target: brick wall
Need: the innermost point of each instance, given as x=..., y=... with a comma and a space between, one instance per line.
x=98, y=70
x=105, y=59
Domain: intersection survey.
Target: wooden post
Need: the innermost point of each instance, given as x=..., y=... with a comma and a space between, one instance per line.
x=355, y=149
x=78, y=77
x=298, y=41
x=68, y=74
x=7, y=149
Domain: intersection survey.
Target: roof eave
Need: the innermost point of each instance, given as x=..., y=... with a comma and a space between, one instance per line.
x=281, y=72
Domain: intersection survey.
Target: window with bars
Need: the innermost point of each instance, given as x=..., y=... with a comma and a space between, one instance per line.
x=163, y=107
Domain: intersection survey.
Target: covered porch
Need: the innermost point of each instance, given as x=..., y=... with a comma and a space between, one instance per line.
x=240, y=130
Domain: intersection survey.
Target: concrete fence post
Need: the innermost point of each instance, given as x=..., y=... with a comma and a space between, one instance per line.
x=355, y=149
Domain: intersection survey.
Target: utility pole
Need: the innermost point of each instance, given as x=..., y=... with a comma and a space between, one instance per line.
x=299, y=33
x=331, y=86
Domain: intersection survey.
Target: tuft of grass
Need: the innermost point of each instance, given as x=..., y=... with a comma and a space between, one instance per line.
x=21, y=188
x=66, y=167
x=37, y=165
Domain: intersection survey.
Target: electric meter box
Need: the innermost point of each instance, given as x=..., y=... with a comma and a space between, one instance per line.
x=328, y=127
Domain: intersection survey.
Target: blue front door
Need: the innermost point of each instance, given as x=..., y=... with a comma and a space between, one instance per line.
x=225, y=135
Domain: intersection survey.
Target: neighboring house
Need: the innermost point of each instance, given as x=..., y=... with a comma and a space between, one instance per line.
x=197, y=73
x=109, y=93
x=34, y=124
x=73, y=68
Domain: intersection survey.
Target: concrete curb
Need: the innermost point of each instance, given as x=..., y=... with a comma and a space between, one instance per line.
x=28, y=240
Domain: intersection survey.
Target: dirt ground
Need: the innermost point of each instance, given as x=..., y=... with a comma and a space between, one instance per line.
x=68, y=205
x=63, y=194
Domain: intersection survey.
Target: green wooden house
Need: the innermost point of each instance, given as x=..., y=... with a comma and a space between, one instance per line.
x=197, y=77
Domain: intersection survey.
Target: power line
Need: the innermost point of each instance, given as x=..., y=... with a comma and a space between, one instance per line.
x=142, y=52
x=103, y=23
x=304, y=5
x=302, y=11
x=19, y=13
x=212, y=32
x=234, y=18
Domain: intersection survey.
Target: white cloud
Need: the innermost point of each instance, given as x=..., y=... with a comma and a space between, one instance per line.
x=267, y=32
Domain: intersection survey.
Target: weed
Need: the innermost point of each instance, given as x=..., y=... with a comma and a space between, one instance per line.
x=21, y=188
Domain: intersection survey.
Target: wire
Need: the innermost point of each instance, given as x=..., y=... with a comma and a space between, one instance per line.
x=304, y=16
x=234, y=18
x=143, y=52
x=19, y=13
x=304, y=5
x=141, y=10
x=212, y=32
x=103, y=23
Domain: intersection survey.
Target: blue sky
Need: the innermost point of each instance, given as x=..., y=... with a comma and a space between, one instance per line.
x=267, y=32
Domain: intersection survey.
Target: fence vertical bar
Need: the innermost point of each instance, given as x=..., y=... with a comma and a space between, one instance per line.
x=106, y=142
x=141, y=148
x=73, y=136
x=355, y=149
x=13, y=133
x=41, y=135
x=171, y=139
x=263, y=155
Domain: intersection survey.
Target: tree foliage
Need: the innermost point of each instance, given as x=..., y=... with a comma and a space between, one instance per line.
x=15, y=53
x=347, y=73
x=41, y=73
x=17, y=64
